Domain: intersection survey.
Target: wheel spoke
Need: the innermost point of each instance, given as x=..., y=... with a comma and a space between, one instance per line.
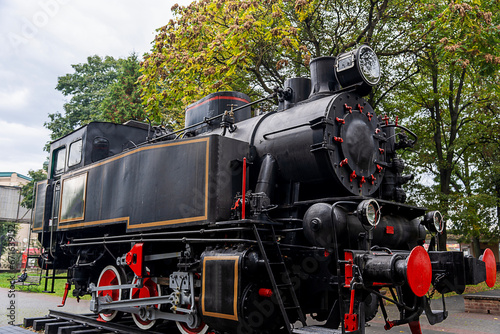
x=110, y=276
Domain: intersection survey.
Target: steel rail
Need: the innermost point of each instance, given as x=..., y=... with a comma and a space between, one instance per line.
x=89, y=320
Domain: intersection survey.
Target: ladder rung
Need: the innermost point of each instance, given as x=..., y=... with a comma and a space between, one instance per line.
x=278, y=259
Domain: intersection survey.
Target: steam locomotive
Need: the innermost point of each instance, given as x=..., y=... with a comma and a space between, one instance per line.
x=241, y=224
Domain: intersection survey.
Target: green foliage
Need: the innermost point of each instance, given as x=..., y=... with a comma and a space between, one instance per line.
x=86, y=87
x=102, y=89
x=123, y=101
x=451, y=103
x=8, y=232
x=252, y=46
x=215, y=46
x=27, y=190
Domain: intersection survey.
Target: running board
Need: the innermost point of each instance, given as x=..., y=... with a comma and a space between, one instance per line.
x=316, y=330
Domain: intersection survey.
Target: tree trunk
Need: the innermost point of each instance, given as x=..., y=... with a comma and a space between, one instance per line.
x=476, y=249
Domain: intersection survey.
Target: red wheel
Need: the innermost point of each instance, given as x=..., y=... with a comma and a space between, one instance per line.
x=184, y=329
x=202, y=328
x=149, y=289
x=110, y=276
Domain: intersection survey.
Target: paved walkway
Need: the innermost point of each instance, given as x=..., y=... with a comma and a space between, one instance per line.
x=27, y=305
x=458, y=321
x=19, y=305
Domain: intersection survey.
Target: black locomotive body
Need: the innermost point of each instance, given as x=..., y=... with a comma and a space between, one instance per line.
x=247, y=224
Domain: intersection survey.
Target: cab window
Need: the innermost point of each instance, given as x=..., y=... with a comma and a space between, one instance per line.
x=100, y=149
x=60, y=159
x=75, y=153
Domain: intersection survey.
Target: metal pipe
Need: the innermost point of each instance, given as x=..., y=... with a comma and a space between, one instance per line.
x=267, y=176
x=184, y=240
x=141, y=235
x=243, y=188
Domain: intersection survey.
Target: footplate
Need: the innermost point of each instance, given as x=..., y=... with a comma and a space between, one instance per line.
x=316, y=330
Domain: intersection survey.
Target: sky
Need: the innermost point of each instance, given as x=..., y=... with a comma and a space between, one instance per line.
x=39, y=41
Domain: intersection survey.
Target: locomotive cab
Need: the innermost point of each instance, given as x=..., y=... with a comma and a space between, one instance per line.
x=93, y=142
x=82, y=147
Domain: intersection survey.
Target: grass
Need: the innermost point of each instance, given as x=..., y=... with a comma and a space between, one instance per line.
x=472, y=289
x=468, y=289
x=59, y=284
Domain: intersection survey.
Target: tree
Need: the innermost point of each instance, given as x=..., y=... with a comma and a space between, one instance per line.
x=102, y=89
x=213, y=46
x=27, y=191
x=87, y=88
x=440, y=68
x=252, y=46
x=123, y=100
x=445, y=101
x=8, y=232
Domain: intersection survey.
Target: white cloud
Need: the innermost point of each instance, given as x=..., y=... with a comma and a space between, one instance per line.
x=14, y=98
x=21, y=147
x=40, y=40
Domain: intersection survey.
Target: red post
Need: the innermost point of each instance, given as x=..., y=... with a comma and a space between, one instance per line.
x=243, y=190
x=66, y=290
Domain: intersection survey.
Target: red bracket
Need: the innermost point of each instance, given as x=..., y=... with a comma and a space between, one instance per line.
x=348, y=268
x=377, y=131
x=381, y=150
x=372, y=179
x=348, y=108
x=379, y=168
x=351, y=320
x=343, y=162
x=369, y=115
x=362, y=181
x=66, y=290
x=388, y=325
x=386, y=119
x=340, y=120
x=360, y=108
x=352, y=176
x=236, y=204
x=397, y=117
x=338, y=139
x=134, y=259
x=268, y=293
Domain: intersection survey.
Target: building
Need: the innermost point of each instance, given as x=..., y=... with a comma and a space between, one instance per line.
x=11, y=209
x=12, y=179
x=10, y=198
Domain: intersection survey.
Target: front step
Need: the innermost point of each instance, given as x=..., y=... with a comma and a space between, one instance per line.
x=316, y=330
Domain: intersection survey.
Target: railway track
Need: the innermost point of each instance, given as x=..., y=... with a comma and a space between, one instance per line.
x=57, y=322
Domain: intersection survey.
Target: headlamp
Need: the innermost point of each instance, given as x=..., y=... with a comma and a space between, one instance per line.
x=358, y=67
x=369, y=212
x=433, y=220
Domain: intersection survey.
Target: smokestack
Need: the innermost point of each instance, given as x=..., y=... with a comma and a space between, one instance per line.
x=323, y=76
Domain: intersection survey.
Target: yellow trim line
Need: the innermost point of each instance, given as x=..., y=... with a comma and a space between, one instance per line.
x=127, y=219
x=233, y=316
